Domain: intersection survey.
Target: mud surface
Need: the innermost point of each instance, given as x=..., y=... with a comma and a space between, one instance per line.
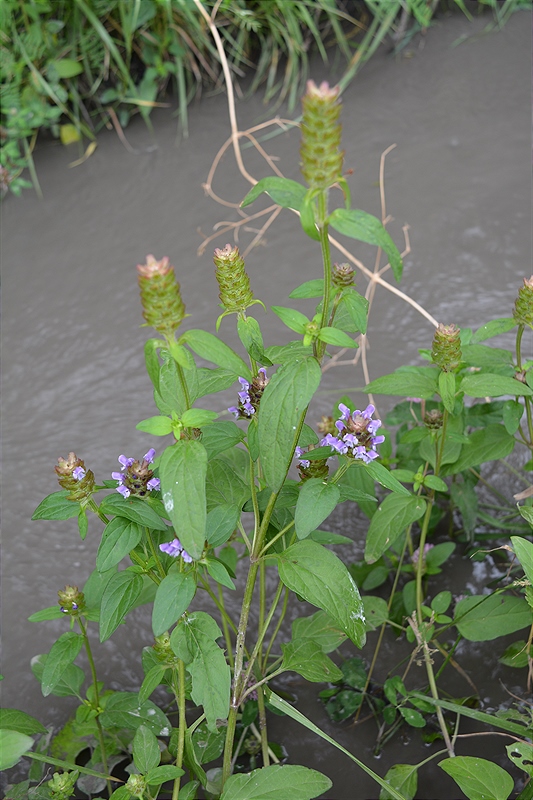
x=73, y=372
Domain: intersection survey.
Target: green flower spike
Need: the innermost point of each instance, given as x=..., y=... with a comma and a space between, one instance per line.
x=342, y=276
x=233, y=281
x=446, y=349
x=523, y=307
x=62, y=786
x=163, y=307
x=321, y=159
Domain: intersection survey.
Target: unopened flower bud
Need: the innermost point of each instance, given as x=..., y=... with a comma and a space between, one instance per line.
x=523, y=307
x=62, y=785
x=163, y=307
x=342, y=275
x=73, y=476
x=433, y=419
x=71, y=600
x=136, y=785
x=446, y=349
x=326, y=425
x=235, y=292
x=321, y=163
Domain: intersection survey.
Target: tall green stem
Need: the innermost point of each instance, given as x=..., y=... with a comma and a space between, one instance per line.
x=527, y=400
x=179, y=691
x=100, y=731
x=323, y=227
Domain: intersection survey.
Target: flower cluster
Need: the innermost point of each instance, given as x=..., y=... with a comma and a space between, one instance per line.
x=75, y=477
x=71, y=600
x=163, y=307
x=416, y=554
x=250, y=395
x=175, y=549
x=356, y=434
x=136, y=477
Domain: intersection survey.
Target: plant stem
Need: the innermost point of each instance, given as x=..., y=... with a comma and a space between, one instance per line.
x=182, y=723
x=320, y=347
x=263, y=726
x=96, y=702
x=527, y=400
x=154, y=553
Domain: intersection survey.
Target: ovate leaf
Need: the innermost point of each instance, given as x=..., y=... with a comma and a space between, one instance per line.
x=367, y=228
x=119, y=597
x=317, y=575
x=283, y=191
x=307, y=658
x=316, y=501
x=478, y=778
x=61, y=656
x=388, y=523
x=13, y=745
x=481, y=618
x=276, y=782
x=483, y=384
x=182, y=471
x=285, y=398
x=173, y=597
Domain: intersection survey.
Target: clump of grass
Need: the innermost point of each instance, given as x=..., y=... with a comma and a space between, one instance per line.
x=74, y=66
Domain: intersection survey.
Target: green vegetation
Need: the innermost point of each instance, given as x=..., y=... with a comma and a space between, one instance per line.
x=72, y=67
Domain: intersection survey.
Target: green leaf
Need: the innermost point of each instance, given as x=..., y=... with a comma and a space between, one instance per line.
x=386, y=478
x=67, y=67
x=336, y=337
x=388, y=523
x=221, y=436
x=321, y=629
x=211, y=381
x=286, y=708
x=493, y=328
x=166, y=772
x=125, y=710
x=208, y=346
x=276, y=782
x=512, y=414
x=483, y=384
x=13, y=745
x=441, y=602
x=251, y=338
x=357, y=307
x=307, y=215
x=284, y=400
x=366, y=228
x=314, y=288
x=283, y=191
x=193, y=640
x=173, y=597
x=434, y=482
x=411, y=382
x=16, y=720
x=516, y=655
x=292, y=351
x=493, y=359
x=326, y=537
x=120, y=536
x=156, y=426
x=70, y=682
x=317, y=575
x=307, y=658
x=120, y=596
x=61, y=655
x=489, y=444
x=447, y=390
x=170, y=395
x=478, y=778
x=316, y=501
x=293, y=319
x=134, y=509
x=153, y=678
x=182, y=470
x=146, y=752
x=481, y=618
x=376, y=611
x=198, y=417
x=219, y=573
x=521, y=754
x=404, y=778
x=524, y=552
x=52, y=612
x=412, y=717
x=224, y=486
x=221, y=522
x=57, y=506
x=151, y=346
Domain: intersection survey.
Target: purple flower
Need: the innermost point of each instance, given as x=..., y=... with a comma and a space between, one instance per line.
x=356, y=434
x=303, y=462
x=79, y=473
x=235, y=411
x=250, y=395
x=416, y=554
x=175, y=549
x=136, y=477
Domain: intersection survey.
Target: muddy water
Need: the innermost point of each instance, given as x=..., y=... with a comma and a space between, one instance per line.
x=73, y=374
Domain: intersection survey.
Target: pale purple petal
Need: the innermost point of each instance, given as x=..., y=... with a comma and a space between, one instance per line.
x=117, y=476
x=150, y=455
x=244, y=383
x=172, y=548
x=378, y=440
x=124, y=491
x=153, y=483
x=186, y=557
x=126, y=462
x=78, y=473
x=235, y=411
x=345, y=411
